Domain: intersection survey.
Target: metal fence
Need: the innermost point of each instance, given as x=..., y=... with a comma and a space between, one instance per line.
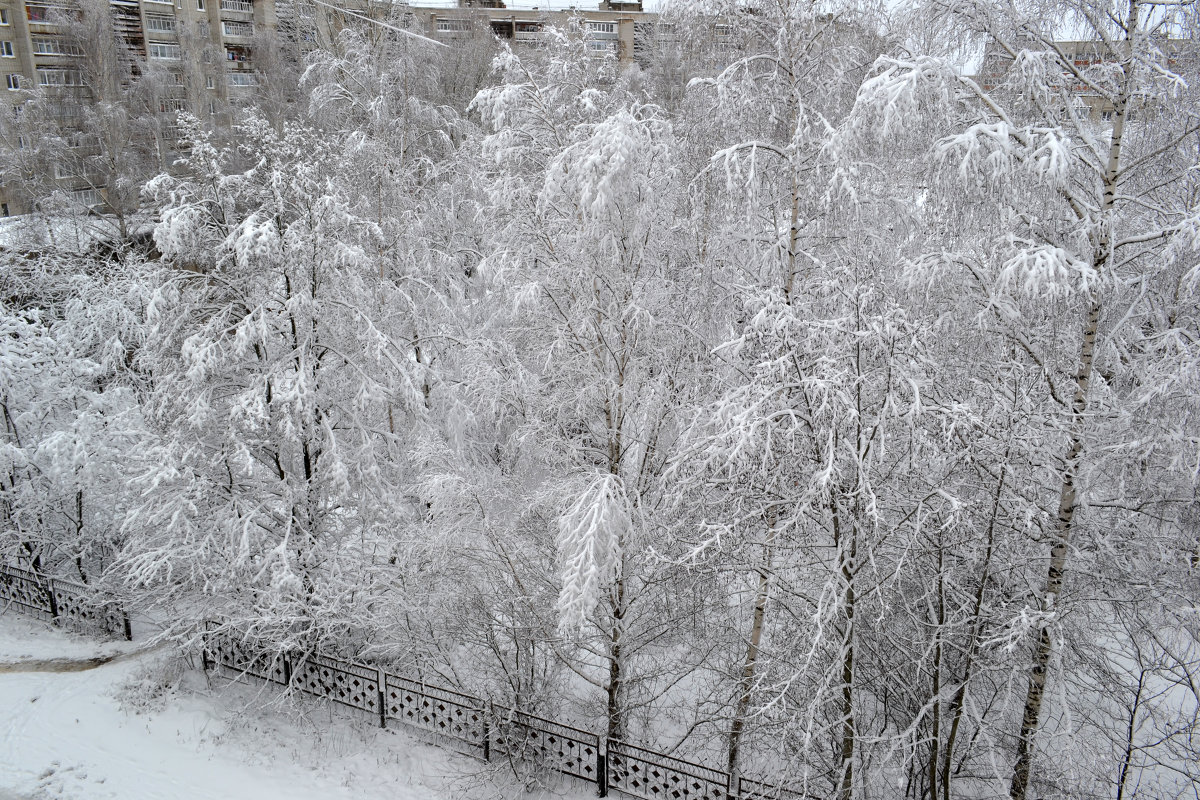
x=490, y=730
x=486, y=729
x=60, y=601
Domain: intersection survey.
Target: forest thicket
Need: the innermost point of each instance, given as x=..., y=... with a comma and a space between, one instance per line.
x=799, y=403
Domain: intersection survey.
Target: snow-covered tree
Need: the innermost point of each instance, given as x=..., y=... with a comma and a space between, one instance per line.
x=281, y=395
x=581, y=173
x=1072, y=244
x=73, y=430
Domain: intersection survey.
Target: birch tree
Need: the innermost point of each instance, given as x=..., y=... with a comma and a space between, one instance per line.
x=1082, y=219
x=278, y=473
x=582, y=173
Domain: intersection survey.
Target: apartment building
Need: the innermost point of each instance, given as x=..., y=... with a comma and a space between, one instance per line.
x=208, y=39
x=609, y=29
x=1178, y=55
x=204, y=49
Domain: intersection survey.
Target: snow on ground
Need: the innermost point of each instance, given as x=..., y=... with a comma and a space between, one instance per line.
x=145, y=727
x=24, y=641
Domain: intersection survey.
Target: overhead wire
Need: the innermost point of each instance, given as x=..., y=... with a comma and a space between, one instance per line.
x=381, y=23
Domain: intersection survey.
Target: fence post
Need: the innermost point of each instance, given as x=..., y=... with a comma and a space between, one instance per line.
x=487, y=731
x=128, y=629
x=602, y=770
x=51, y=598
x=204, y=647
x=735, y=786
x=381, y=699
x=287, y=670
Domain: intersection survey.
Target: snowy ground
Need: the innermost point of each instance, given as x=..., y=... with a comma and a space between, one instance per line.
x=144, y=727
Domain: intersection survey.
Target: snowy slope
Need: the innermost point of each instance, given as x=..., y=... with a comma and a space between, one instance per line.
x=113, y=732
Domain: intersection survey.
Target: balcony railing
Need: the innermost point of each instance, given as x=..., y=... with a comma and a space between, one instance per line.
x=244, y=6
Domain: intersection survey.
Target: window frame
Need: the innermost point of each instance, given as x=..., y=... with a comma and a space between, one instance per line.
x=160, y=19
x=237, y=28
x=53, y=46
x=165, y=47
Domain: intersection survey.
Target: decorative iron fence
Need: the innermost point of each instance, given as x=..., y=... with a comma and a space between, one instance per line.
x=487, y=729
x=644, y=773
x=437, y=710
x=60, y=601
x=548, y=744
x=490, y=730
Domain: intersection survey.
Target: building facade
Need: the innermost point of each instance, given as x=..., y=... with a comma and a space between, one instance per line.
x=202, y=52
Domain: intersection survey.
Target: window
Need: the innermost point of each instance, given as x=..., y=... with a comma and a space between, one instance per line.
x=4, y=21
x=172, y=105
x=529, y=34
x=40, y=14
x=167, y=52
x=88, y=197
x=241, y=79
x=199, y=5
x=59, y=77
x=6, y=50
x=4, y=206
x=212, y=106
x=13, y=82
x=160, y=24
x=210, y=83
x=452, y=25
x=162, y=2
x=83, y=140
x=53, y=46
x=237, y=28
x=602, y=27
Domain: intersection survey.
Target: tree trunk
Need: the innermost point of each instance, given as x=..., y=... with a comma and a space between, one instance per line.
x=1079, y=406
x=616, y=711
x=751, y=662
x=847, y=554
x=1058, y=558
x=955, y=711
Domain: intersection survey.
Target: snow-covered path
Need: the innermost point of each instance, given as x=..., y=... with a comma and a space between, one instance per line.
x=87, y=735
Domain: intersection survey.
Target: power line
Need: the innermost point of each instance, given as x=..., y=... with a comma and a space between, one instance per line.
x=378, y=22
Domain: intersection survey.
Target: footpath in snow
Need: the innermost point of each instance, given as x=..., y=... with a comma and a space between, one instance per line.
x=135, y=728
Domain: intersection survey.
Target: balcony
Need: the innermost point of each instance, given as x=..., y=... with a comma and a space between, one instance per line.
x=239, y=59
x=240, y=80
x=528, y=32
x=237, y=29
x=47, y=18
x=237, y=8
